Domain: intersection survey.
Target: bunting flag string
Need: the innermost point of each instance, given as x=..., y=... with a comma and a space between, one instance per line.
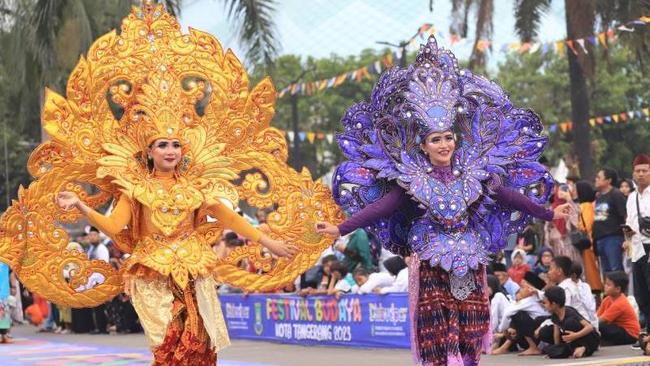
x=616, y=118
x=621, y=117
x=310, y=87
x=559, y=46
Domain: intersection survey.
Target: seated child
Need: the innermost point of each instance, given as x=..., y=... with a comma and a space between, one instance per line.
x=618, y=323
x=569, y=327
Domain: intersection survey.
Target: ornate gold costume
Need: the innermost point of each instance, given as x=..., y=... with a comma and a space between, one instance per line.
x=151, y=81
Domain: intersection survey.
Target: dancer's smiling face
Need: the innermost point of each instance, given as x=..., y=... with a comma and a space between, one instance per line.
x=165, y=154
x=439, y=147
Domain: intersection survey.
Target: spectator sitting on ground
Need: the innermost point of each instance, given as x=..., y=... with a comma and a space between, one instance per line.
x=584, y=289
x=618, y=323
x=544, y=259
x=368, y=282
x=560, y=274
x=498, y=302
x=522, y=317
x=569, y=327
x=342, y=282
x=519, y=266
x=396, y=266
x=499, y=270
x=317, y=278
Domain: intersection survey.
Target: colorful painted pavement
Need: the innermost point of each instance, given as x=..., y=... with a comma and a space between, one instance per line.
x=39, y=352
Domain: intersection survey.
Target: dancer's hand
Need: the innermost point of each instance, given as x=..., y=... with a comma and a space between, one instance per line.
x=562, y=211
x=324, y=227
x=279, y=247
x=67, y=200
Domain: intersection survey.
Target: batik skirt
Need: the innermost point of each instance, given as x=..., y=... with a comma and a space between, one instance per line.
x=445, y=330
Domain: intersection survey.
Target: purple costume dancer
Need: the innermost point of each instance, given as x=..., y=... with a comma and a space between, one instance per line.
x=447, y=218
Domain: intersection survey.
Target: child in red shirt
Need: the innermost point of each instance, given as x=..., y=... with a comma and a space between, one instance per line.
x=519, y=266
x=617, y=320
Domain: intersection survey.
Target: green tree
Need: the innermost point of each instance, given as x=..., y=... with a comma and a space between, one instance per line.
x=581, y=17
x=537, y=81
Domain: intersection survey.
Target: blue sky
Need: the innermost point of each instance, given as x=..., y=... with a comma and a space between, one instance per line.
x=345, y=27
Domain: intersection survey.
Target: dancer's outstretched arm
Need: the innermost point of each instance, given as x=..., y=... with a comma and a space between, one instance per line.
x=109, y=225
x=369, y=214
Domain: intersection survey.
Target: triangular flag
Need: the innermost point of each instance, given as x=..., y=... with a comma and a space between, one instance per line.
x=599, y=120
x=535, y=47
x=552, y=128
x=646, y=111
x=564, y=127
x=593, y=40
x=623, y=116
x=570, y=44
x=559, y=48
x=329, y=137
x=311, y=136
x=581, y=42
x=638, y=114
x=545, y=48
x=320, y=135
x=302, y=136
x=645, y=19
x=602, y=39
x=610, y=33
x=608, y=119
x=592, y=122
x=290, y=135
x=615, y=117
x=624, y=28
x=630, y=114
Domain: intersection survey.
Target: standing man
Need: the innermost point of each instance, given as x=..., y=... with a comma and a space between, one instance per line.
x=609, y=217
x=638, y=207
x=97, y=251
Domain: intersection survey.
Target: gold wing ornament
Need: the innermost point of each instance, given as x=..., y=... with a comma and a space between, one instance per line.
x=148, y=82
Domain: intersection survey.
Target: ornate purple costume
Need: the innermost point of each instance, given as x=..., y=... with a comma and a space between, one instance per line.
x=450, y=218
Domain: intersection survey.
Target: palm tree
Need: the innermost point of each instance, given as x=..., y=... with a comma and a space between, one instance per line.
x=581, y=16
x=460, y=10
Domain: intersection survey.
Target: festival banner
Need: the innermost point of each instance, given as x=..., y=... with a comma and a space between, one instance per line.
x=351, y=321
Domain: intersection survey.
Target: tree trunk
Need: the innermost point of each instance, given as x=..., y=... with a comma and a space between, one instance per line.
x=580, y=16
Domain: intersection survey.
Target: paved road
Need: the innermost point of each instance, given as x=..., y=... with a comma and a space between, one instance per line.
x=45, y=349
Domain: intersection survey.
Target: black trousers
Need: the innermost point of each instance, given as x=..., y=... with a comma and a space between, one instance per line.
x=525, y=326
x=615, y=335
x=641, y=275
x=99, y=318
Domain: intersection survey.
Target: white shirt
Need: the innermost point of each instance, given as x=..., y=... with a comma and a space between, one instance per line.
x=98, y=252
x=575, y=300
x=633, y=220
x=530, y=305
x=498, y=306
x=586, y=296
x=401, y=283
x=377, y=279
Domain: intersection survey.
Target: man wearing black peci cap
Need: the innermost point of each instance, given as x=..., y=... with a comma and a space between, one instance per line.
x=500, y=271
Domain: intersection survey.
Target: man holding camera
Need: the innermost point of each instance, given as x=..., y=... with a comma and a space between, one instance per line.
x=638, y=229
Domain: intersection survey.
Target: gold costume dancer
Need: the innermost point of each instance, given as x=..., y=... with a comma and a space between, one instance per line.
x=163, y=124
